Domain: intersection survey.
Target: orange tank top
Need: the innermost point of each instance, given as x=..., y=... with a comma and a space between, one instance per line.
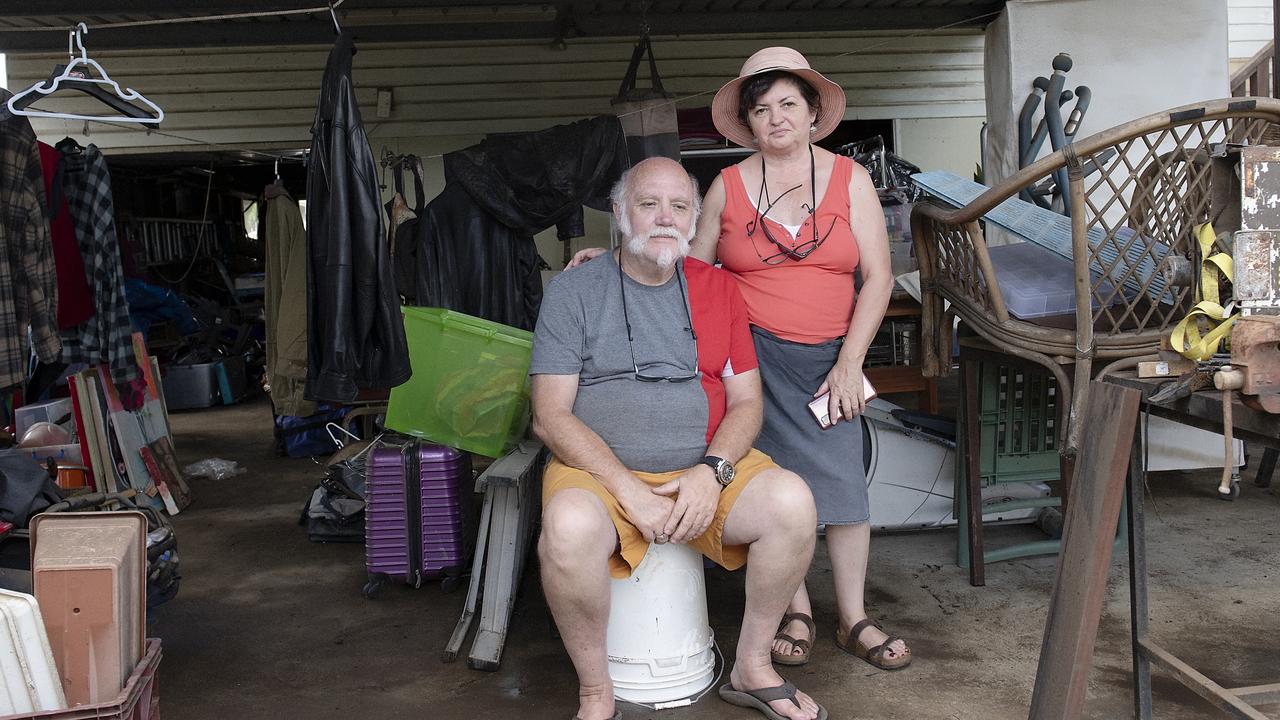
x=806, y=301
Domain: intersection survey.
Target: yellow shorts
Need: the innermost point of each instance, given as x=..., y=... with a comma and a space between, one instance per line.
x=631, y=544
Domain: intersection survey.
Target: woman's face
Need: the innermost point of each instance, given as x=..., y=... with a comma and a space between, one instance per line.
x=781, y=118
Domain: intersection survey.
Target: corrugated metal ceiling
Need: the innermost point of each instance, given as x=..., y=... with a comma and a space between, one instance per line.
x=445, y=20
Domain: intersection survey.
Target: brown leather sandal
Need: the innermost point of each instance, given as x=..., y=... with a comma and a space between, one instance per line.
x=791, y=658
x=874, y=655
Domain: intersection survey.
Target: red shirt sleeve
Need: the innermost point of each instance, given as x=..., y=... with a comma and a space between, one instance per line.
x=742, y=349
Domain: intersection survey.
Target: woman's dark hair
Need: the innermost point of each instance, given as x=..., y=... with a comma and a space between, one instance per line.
x=751, y=90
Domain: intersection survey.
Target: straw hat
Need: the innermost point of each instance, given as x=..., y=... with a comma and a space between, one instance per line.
x=724, y=108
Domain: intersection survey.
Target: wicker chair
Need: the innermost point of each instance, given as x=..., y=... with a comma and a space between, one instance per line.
x=1153, y=183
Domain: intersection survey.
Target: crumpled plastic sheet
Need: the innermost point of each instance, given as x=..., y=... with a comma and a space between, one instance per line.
x=215, y=468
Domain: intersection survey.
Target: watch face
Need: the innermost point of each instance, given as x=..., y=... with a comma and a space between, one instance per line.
x=725, y=473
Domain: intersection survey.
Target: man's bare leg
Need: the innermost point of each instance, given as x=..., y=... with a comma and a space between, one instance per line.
x=577, y=539
x=776, y=517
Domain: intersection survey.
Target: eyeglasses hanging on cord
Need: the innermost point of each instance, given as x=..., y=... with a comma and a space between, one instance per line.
x=77, y=75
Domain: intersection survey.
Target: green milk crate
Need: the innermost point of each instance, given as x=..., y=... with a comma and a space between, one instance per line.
x=1018, y=412
x=470, y=384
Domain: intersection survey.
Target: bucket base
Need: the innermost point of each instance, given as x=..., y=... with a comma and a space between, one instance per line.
x=648, y=690
x=661, y=648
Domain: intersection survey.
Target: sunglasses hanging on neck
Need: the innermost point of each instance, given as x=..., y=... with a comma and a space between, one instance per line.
x=785, y=252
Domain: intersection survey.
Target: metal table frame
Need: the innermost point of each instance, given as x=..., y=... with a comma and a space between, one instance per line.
x=1203, y=410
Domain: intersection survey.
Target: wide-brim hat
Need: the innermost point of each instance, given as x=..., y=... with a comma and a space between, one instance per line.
x=724, y=107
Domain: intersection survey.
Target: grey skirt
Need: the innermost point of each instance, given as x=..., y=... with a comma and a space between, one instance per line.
x=830, y=460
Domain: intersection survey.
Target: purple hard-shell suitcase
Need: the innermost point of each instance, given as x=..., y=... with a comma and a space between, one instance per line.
x=417, y=516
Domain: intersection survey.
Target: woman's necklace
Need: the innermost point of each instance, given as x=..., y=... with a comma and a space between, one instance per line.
x=809, y=208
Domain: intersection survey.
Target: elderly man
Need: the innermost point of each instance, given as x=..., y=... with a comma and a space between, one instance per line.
x=646, y=391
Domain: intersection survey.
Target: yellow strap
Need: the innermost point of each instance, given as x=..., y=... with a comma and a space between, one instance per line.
x=1186, y=337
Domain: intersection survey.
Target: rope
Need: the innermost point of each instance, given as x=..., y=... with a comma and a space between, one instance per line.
x=193, y=141
x=173, y=21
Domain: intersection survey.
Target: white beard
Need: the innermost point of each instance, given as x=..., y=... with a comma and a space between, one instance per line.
x=667, y=257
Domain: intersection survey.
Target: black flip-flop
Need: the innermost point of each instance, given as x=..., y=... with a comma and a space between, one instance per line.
x=617, y=715
x=759, y=699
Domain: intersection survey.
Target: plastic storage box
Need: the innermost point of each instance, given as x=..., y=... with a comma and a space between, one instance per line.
x=1036, y=282
x=470, y=384
x=88, y=571
x=138, y=700
x=204, y=385
x=28, y=675
x=56, y=411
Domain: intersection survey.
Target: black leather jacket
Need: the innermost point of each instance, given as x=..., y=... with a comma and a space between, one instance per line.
x=355, y=332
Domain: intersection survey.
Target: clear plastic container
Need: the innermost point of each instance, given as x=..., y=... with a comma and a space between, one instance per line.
x=1036, y=282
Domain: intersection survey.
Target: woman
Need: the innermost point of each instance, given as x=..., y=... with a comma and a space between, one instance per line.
x=793, y=222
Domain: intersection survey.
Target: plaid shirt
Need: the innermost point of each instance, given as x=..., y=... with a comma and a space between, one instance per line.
x=105, y=337
x=28, y=281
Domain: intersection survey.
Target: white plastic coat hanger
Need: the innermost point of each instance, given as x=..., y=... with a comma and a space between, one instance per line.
x=337, y=28
x=75, y=74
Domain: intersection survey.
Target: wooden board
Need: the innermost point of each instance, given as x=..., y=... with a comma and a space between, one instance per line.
x=1088, y=533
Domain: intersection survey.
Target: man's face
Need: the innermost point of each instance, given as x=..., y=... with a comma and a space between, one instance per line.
x=658, y=213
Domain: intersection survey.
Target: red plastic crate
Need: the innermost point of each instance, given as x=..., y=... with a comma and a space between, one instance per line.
x=139, y=700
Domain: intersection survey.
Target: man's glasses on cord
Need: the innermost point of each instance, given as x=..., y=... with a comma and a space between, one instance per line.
x=630, y=340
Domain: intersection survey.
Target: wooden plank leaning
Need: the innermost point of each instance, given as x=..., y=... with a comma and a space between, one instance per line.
x=1093, y=510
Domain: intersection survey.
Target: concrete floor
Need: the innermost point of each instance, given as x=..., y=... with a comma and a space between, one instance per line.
x=269, y=625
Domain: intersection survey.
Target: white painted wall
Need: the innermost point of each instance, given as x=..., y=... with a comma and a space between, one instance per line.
x=941, y=143
x=1179, y=57
x=1249, y=28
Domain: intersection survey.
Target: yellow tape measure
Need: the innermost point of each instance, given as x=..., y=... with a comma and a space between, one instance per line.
x=1208, y=311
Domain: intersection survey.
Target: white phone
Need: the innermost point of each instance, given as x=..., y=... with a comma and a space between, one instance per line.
x=819, y=405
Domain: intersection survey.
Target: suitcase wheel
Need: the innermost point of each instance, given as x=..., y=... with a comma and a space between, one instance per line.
x=373, y=589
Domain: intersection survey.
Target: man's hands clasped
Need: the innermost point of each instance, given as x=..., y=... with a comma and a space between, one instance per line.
x=696, y=494
x=678, y=511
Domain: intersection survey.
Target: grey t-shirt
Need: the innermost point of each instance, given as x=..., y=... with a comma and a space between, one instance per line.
x=650, y=426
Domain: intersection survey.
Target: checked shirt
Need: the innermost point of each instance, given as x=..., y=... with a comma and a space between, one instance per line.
x=105, y=337
x=28, y=281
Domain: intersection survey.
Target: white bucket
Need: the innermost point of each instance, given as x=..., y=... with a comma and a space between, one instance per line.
x=660, y=643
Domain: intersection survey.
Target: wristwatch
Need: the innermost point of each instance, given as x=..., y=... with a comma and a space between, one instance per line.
x=724, y=469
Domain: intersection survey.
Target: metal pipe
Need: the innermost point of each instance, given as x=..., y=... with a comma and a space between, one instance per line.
x=1053, y=120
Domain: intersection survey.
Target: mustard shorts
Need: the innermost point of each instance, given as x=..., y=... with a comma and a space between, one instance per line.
x=631, y=544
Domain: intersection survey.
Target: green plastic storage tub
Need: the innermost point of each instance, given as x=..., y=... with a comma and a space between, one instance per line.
x=470, y=384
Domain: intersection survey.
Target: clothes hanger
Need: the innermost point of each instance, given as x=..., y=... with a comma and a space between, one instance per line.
x=75, y=75
x=337, y=28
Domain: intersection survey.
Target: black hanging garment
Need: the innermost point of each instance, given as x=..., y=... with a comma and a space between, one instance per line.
x=475, y=249
x=404, y=226
x=355, y=334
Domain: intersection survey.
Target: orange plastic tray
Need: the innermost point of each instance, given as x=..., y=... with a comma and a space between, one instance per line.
x=88, y=571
